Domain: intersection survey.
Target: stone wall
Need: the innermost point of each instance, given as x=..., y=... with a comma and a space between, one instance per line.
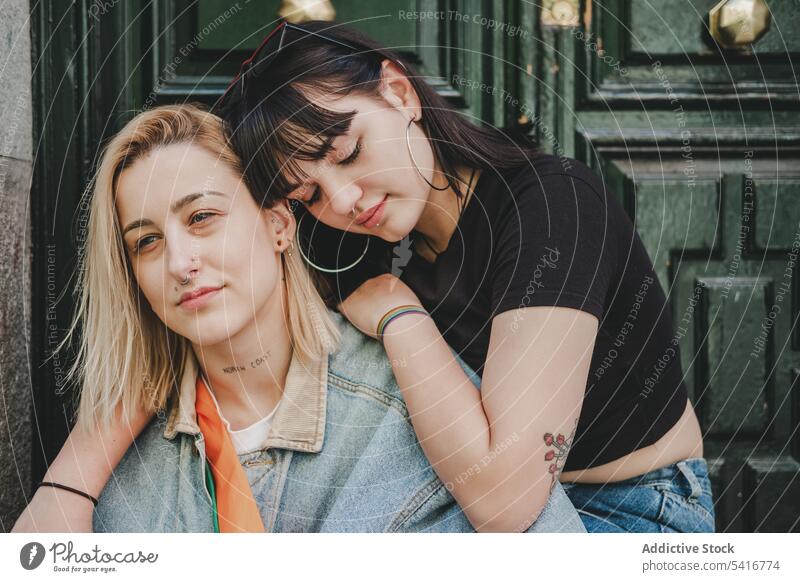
x=15, y=259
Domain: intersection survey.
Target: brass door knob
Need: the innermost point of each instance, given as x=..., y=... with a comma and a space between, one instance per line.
x=298, y=11
x=739, y=23
x=560, y=12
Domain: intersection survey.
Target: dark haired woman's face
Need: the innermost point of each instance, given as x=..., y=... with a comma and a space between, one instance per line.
x=370, y=170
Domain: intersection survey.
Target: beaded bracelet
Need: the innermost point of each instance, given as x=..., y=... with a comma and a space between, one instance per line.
x=393, y=314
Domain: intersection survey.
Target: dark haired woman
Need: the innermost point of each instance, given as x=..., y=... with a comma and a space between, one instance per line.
x=521, y=262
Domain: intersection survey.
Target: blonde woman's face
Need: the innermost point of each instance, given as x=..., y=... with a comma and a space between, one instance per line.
x=204, y=254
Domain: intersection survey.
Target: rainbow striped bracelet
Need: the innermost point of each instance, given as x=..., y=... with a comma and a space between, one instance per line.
x=393, y=314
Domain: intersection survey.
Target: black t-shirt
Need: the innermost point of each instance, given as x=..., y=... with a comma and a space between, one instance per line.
x=549, y=234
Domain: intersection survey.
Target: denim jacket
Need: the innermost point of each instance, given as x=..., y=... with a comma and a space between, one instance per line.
x=341, y=456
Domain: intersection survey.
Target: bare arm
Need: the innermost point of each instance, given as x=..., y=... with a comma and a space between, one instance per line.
x=85, y=462
x=491, y=448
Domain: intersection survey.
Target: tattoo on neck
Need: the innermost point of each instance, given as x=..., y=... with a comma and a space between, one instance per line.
x=260, y=360
x=557, y=456
x=254, y=364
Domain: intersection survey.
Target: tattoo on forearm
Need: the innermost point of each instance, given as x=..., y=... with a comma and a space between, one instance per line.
x=557, y=455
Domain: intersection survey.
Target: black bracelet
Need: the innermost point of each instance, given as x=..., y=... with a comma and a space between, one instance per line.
x=60, y=486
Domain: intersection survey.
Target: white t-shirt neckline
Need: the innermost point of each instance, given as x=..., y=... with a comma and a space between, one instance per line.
x=251, y=438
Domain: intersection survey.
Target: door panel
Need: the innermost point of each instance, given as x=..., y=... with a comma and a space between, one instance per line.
x=668, y=44
x=199, y=45
x=702, y=147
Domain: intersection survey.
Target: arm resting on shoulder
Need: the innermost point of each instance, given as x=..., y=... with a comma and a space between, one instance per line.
x=501, y=449
x=85, y=462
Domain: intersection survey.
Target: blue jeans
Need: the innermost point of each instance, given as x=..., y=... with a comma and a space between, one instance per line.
x=676, y=498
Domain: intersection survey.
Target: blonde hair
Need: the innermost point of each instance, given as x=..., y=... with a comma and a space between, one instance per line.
x=126, y=357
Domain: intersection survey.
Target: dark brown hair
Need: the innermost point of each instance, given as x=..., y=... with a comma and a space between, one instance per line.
x=273, y=124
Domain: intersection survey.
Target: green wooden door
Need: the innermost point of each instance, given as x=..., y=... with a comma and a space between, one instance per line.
x=701, y=147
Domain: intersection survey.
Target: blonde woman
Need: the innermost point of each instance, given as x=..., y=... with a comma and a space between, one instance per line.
x=254, y=408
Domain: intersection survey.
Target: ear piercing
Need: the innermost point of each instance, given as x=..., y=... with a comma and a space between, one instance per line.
x=414, y=162
x=323, y=269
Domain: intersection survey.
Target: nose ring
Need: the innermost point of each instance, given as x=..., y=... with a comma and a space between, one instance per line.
x=353, y=212
x=186, y=280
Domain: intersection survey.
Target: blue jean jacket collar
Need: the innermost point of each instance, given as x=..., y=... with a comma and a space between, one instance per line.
x=299, y=421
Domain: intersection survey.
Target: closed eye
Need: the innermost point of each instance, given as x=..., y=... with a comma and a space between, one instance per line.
x=353, y=156
x=315, y=196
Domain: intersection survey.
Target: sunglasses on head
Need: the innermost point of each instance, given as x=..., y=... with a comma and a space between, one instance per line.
x=283, y=35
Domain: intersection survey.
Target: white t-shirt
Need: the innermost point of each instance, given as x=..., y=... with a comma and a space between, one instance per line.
x=251, y=438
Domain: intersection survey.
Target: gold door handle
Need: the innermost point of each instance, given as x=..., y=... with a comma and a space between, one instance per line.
x=562, y=13
x=739, y=23
x=298, y=11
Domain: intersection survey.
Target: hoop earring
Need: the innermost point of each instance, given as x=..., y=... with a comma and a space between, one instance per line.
x=323, y=269
x=414, y=162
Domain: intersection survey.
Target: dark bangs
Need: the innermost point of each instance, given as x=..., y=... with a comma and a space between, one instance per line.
x=273, y=121
x=274, y=125
x=289, y=130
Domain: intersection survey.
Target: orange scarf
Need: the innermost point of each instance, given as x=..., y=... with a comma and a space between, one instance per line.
x=236, y=507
